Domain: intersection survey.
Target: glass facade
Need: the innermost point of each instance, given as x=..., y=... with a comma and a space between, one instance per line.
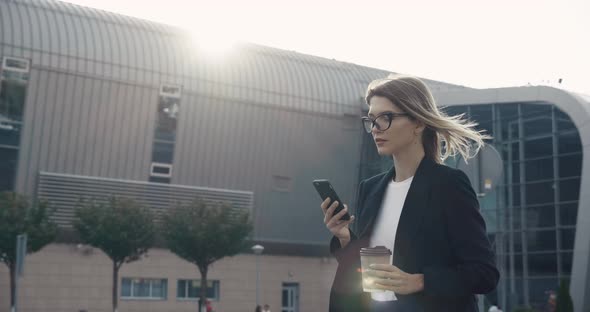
x=531, y=215
x=14, y=76
x=165, y=133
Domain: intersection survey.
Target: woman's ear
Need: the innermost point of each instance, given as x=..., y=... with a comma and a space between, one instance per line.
x=420, y=126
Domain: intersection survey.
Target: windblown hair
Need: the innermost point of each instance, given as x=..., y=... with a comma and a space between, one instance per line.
x=443, y=135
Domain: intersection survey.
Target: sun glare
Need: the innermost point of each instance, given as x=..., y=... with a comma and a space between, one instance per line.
x=216, y=44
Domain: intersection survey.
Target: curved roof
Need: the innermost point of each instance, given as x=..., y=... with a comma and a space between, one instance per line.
x=72, y=38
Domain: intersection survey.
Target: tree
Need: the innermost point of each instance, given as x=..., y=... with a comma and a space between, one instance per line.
x=564, y=300
x=18, y=215
x=203, y=232
x=121, y=228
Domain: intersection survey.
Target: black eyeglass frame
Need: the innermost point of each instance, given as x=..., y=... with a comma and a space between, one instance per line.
x=374, y=123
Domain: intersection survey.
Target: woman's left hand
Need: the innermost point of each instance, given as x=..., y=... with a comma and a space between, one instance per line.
x=390, y=277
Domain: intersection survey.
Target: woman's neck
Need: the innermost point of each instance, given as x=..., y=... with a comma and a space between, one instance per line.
x=406, y=163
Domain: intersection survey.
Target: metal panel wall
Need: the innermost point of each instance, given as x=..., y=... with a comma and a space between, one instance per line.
x=263, y=117
x=65, y=193
x=84, y=126
x=152, y=53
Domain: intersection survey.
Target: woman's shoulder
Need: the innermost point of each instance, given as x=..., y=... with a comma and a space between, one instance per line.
x=375, y=179
x=437, y=172
x=447, y=173
x=449, y=178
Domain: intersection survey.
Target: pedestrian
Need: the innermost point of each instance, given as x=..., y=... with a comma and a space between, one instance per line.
x=425, y=212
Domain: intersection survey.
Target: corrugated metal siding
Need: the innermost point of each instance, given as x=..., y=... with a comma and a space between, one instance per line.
x=84, y=126
x=153, y=53
x=92, y=99
x=64, y=192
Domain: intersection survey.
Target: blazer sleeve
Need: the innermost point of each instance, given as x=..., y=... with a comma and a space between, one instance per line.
x=474, y=271
x=335, y=248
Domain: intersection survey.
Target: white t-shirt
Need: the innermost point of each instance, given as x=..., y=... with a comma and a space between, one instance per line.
x=386, y=224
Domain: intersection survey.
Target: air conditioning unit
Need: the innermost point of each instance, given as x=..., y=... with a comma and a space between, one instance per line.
x=15, y=69
x=161, y=170
x=172, y=91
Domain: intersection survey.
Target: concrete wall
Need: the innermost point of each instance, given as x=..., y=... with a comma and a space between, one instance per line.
x=62, y=277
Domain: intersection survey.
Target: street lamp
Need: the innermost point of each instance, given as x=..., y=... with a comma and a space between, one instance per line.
x=257, y=249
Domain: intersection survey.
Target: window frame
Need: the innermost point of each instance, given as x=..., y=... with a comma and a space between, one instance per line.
x=5, y=65
x=150, y=297
x=216, y=289
x=161, y=165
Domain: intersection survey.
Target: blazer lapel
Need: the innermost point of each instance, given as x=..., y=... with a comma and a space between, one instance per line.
x=414, y=207
x=373, y=203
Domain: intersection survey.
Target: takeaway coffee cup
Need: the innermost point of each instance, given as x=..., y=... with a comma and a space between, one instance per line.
x=373, y=255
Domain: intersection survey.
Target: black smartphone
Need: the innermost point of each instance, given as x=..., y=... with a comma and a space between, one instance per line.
x=325, y=189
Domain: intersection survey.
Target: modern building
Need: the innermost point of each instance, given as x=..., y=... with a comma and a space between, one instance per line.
x=541, y=208
x=94, y=103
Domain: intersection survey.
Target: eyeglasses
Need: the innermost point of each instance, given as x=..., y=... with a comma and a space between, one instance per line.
x=381, y=122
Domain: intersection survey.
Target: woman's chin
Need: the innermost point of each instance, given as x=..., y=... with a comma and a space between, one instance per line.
x=383, y=151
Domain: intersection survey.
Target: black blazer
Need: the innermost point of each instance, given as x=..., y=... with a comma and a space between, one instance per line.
x=441, y=234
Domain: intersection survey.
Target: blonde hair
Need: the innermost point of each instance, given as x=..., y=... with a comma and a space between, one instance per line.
x=456, y=134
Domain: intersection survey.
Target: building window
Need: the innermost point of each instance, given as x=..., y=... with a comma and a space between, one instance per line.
x=12, y=99
x=14, y=76
x=165, y=133
x=13, y=84
x=163, y=152
x=191, y=289
x=168, y=109
x=9, y=131
x=144, y=288
x=8, y=159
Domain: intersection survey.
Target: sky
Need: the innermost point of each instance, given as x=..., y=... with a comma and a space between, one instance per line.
x=479, y=44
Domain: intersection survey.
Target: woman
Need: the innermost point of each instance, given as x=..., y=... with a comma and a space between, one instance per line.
x=425, y=212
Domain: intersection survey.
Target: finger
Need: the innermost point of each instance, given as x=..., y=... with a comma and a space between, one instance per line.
x=341, y=224
x=389, y=282
x=402, y=290
x=384, y=267
x=326, y=210
x=396, y=269
x=335, y=220
x=325, y=204
x=330, y=211
x=377, y=285
x=386, y=274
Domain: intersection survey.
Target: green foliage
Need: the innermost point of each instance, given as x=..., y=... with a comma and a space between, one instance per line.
x=18, y=215
x=203, y=232
x=121, y=228
x=564, y=301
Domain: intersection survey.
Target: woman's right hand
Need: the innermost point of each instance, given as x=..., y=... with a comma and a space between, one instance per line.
x=337, y=227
